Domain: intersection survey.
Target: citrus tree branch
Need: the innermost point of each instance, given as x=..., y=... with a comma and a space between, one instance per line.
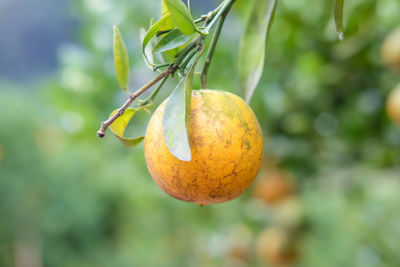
x=153, y=94
x=105, y=124
x=218, y=14
x=169, y=71
x=223, y=11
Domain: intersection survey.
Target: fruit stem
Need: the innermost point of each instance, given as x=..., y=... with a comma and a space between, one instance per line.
x=213, y=44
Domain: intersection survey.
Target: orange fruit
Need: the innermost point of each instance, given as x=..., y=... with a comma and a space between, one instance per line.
x=273, y=187
x=276, y=247
x=393, y=105
x=391, y=49
x=226, y=145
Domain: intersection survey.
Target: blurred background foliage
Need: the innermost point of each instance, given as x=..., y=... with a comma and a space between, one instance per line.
x=70, y=199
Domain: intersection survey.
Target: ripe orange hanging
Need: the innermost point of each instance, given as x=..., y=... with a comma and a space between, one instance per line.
x=226, y=146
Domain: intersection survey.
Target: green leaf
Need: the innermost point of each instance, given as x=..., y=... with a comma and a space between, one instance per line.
x=171, y=40
x=164, y=11
x=148, y=50
x=339, y=18
x=121, y=60
x=119, y=125
x=175, y=120
x=150, y=34
x=181, y=16
x=253, y=45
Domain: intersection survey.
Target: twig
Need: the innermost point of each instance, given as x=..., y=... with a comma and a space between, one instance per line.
x=207, y=16
x=225, y=7
x=105, y=124
x=151, y=97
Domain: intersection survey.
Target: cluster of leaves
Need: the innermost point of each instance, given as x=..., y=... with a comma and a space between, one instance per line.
x=176, y=42
x=173, y=31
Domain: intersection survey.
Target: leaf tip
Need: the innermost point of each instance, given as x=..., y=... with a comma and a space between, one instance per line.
x=116, y=30
x=187, y=157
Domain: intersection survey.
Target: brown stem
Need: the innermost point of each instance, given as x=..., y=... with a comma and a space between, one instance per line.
x=105, y=124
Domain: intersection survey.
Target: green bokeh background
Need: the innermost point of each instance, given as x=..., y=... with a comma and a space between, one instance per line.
x=70, y=199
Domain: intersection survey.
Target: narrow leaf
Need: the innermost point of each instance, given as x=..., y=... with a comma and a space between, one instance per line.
x=119, y=125
x=176, y=118
x=121, y=60
x=150, y=34
x=171, y=40
x=181, y=16
x=339, y=18
x=253, y=45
